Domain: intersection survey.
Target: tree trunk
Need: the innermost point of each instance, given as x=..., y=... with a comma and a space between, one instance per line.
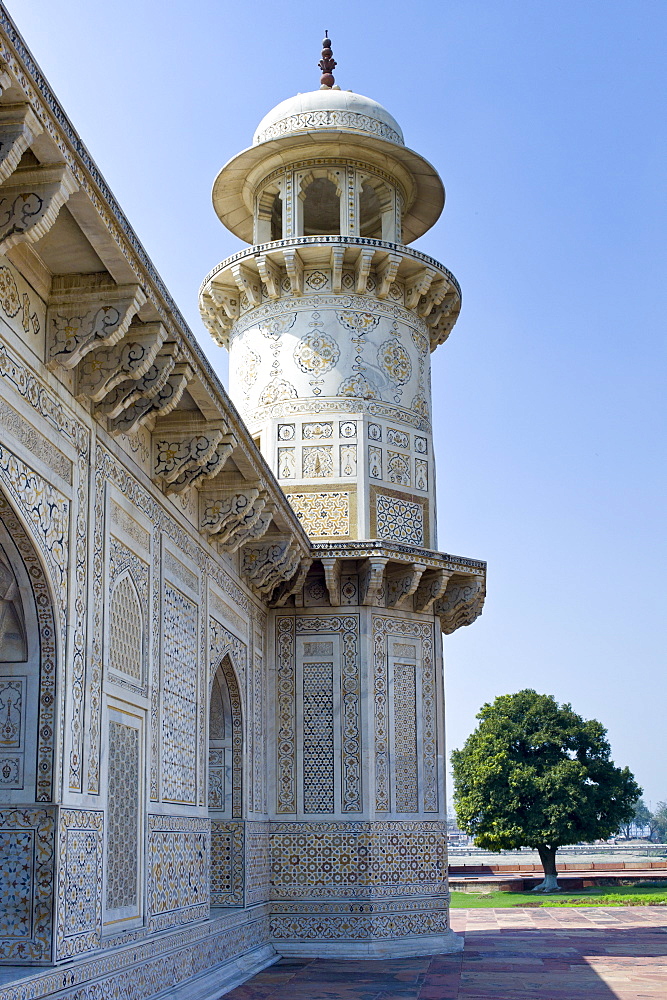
x=548, y=858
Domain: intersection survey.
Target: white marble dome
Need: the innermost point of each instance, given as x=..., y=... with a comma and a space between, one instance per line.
x=329, y=110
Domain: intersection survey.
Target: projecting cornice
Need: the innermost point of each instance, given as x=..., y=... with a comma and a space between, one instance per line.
x=402, y=577
x=342, y=265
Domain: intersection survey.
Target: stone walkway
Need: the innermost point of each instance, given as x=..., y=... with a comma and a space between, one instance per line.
x=510, y=954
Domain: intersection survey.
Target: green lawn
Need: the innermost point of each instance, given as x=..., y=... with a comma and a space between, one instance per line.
x=643, y=894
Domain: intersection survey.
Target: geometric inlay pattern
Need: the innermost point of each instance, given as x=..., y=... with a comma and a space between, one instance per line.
x=126, y=629
x=347, y=627
x=26, y=893
x=400, y=734
x=79, y=881
x=179, y=698
x=257, y=863
x=322, y=514
x=122, y=816
x=334, y=860
x=226, y=863
x=318, y=738
x=178, y=870
x=399, y=520
x=405, y=738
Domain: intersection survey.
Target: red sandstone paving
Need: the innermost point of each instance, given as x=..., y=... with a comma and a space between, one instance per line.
x=582, y=953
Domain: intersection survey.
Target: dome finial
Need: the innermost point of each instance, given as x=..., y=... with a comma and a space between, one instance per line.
x=327, y=64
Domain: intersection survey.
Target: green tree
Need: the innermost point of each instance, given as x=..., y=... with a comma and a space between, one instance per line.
x=535, y=774
x=643, y=817
x=640, y=819
x=659, y=824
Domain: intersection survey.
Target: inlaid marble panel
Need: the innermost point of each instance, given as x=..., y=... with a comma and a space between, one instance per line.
x=27, y=863
x=178, y=870
x=227, y=863
x=79, y=905
x=179, y=697
x=122, y=816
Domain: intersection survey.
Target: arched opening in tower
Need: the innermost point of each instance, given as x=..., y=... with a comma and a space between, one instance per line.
x=321, y=208
x=277, y=218
x=370, y=213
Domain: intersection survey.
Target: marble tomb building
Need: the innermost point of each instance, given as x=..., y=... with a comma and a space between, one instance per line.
x=221, y=683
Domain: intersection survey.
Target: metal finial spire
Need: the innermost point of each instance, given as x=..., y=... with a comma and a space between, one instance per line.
x=327, y=63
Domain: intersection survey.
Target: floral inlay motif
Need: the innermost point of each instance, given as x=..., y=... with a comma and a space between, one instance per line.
x=274, y=328
x=318, y=461
x=247, y=368
x=358, y=385
x=316, y=280
x=398, y=468
x=317, y=352
x=9, y=293
x=419, y=405
x=394, y=361
x=276, y=391
x=358, y=322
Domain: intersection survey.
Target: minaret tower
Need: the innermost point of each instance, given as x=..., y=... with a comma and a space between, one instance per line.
x=330, y=318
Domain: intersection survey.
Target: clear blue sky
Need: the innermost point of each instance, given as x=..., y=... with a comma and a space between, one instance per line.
x=547, y=123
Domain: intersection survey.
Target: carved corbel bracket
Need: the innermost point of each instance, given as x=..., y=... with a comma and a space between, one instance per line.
x=269, y=272
x=442, y=317
x=462, y=603
x=225, y=299
x=19, y=127
x=198, y=474
x=362, y=268
x=431, y=588
x=257, y=528
x=247, y=282
x=332, y=570
x=436, y=293
x=101, y=370
x=403, y=585
x=284, y=591
x=225, y=511
x=86, y=312
x=162, y=402
x=294, y=268
x=283, y=569
x=125, y=393
x=418, y=286
x=217, y=325
x=30, y=201
x=386, y=273
x=267, y=563
x=371, y=579
x=5, y=77
x=337, y=257
x=174, y=455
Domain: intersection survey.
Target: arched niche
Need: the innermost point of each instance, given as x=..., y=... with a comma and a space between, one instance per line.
x=376, y=210
x=320, y=204
x=27, y=667
x=225, y=744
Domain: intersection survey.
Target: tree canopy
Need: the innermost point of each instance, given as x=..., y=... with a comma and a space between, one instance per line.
x=536, y=774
